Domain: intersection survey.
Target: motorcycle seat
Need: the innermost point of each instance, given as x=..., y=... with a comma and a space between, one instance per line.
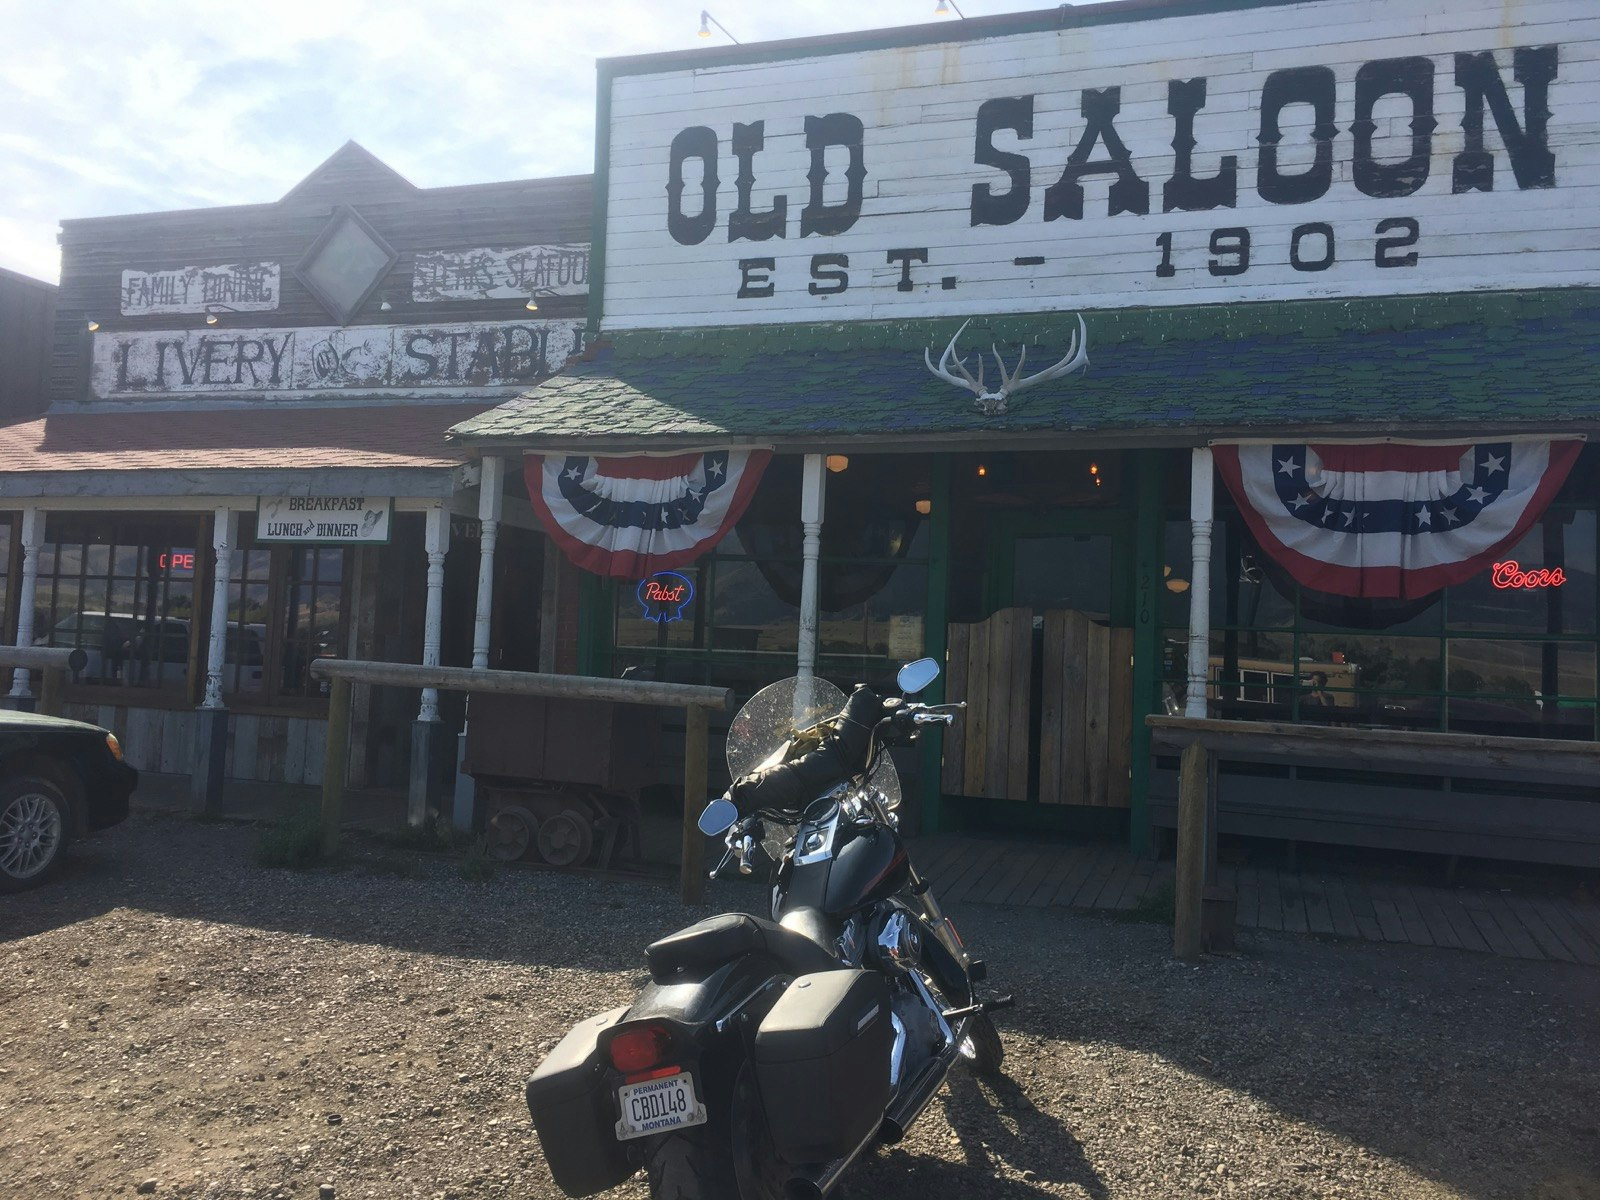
x=710, y=943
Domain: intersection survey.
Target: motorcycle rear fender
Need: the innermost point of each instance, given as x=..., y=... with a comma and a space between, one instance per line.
x=693, y=1007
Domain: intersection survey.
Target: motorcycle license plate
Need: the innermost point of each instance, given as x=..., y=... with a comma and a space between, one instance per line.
x=658, y=1105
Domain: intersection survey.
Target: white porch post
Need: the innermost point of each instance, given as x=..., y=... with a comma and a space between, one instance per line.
x=1200, y=495
x=437, y=541
x=211, y=722
x=490, y=503
x=813, y=500
x=489, y=506
x=429, y=746
x=224, y=536
x=32, y=537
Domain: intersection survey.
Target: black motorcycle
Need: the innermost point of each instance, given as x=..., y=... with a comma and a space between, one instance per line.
x=767, y=1055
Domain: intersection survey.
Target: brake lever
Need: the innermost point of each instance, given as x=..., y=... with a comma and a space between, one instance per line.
x=717, y=870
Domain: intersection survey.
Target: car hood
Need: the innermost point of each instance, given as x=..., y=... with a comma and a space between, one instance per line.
x=39, y=723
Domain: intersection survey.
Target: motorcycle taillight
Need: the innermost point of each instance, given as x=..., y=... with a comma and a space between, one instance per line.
x=640, y=1047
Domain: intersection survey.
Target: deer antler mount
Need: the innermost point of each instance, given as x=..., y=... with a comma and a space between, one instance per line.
x=992, y=403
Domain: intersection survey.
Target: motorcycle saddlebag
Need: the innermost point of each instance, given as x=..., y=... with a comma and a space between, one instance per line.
x=574, y=1111
x=822, y=1064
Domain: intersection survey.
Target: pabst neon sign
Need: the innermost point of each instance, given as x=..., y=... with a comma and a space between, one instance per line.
x=665, y=595
x=1509, y=574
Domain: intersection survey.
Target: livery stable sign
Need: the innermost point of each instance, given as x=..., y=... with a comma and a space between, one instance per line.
x=1243, y=153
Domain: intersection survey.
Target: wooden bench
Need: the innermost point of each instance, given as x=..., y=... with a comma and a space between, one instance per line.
x=1341, y=788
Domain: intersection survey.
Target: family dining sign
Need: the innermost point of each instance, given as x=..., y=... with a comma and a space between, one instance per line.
x=1327, y=148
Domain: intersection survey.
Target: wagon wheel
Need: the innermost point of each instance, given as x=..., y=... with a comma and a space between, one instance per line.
x=566, y=838
x=511, y=831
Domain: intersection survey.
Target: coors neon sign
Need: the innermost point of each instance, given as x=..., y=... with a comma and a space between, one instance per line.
x=1508, y=575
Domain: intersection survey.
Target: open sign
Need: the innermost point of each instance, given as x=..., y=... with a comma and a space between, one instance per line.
x=178, y=562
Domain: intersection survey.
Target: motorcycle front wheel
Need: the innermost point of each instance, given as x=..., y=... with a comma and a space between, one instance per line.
x=981, y=1047
x=730, y=1157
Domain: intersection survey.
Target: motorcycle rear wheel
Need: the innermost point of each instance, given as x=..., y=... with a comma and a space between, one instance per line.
x=730, y=1157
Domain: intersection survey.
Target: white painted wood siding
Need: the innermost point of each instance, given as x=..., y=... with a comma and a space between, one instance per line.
x=919, y=107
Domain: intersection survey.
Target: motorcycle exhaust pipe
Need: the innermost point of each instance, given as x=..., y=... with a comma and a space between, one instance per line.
x=813, y=1183
x=905, y=1111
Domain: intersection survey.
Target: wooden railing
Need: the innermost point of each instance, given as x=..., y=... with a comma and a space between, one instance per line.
x=696, y=702
x=53, y=662
x=1203, y=743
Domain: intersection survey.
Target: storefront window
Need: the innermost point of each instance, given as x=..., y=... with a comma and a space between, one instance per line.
x=1510, y=651
x=123, y=592
x=741, y=629
x=286, y=608
x=131, y=595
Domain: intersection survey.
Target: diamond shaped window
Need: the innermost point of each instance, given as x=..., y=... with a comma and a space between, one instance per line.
x=346, y=264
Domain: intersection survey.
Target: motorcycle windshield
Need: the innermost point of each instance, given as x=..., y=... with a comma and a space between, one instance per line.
x=886, y=779
x=773, y=715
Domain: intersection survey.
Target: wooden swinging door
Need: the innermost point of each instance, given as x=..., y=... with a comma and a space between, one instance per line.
x=1048, y=676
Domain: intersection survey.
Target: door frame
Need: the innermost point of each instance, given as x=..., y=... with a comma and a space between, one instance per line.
x=1000, y=552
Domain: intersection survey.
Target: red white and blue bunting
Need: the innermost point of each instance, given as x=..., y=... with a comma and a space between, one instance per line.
x=1392, y=520
x=628, y=518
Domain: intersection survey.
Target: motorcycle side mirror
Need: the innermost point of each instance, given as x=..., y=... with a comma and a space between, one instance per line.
x=718, y=816
x=915, y=676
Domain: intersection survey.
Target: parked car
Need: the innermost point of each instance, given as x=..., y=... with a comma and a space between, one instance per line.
x=59, y=780
x=121, y=645
x=124, y=648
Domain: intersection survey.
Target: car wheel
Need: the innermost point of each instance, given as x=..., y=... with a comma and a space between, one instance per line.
x=33, y=831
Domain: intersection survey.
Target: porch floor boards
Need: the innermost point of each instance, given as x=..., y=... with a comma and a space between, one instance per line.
x=1105, y=878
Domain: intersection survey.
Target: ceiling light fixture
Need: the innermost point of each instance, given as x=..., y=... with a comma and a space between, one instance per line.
x=707, y=20
x=944, y=6
x=94, y=326
x=213, y=309
x=837, y=463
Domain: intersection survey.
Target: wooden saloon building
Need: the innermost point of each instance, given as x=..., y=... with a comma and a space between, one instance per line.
x=242, y=465
x=1309, y=298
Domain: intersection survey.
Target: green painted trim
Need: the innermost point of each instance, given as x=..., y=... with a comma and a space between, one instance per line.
x=1117, y=326
x=592, y=611
x=598, y=209
x=1148, y=536
x=1063, y=16
x=936, y=639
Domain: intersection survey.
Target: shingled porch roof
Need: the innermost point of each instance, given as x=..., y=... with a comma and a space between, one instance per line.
x=1424, y=364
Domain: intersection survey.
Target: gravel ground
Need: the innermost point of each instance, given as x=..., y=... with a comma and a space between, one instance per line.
x=173, y=1015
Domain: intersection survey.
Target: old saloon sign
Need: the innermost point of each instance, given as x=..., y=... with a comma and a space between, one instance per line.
x=1340, y=148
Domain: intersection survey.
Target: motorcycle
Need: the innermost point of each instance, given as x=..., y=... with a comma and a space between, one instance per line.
x=767, y=1055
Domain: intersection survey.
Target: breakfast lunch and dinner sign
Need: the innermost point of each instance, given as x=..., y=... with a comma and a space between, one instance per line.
x=1323, y=149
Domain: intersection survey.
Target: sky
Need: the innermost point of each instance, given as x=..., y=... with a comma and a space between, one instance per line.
x=125, y=106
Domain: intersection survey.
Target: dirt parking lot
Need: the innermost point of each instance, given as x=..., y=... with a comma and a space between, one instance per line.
x=173, y=1014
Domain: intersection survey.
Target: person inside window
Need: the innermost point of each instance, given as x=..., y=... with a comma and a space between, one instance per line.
x=1318, y=696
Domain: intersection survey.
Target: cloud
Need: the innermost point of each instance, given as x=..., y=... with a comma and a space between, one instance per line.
x=138, y=105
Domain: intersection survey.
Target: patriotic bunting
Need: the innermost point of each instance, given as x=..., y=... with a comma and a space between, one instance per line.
x=628, y=518
x=1392, y=520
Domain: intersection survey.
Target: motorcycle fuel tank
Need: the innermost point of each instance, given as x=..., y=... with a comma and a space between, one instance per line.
x=870, y=865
